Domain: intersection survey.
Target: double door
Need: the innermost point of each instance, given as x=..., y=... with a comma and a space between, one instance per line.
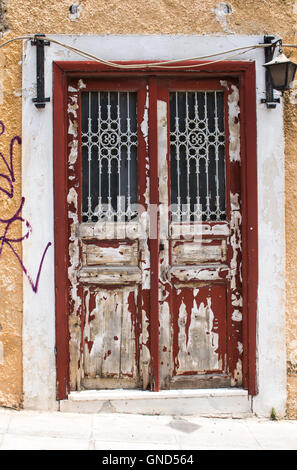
x=154, y=224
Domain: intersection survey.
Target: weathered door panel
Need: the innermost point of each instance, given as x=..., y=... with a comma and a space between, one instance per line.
x=110, y=342
x=108, y=256
x=204, y=251
x=113, y=254
x=200, y=234
x=199, y=336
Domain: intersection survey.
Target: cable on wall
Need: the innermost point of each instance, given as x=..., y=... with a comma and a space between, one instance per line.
x=161, y=64
x=41, y=40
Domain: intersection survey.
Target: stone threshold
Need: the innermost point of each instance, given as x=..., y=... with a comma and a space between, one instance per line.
x=227, y=402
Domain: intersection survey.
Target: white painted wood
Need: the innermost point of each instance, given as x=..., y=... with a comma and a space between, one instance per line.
x=197, y=252
x=124, y=254
x=110, y=275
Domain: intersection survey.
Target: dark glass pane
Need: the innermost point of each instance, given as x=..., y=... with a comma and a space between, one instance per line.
x=109, y=155
x=197, y=150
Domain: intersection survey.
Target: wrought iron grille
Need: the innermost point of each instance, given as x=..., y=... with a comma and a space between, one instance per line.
x=197, y=150
x=109, y=156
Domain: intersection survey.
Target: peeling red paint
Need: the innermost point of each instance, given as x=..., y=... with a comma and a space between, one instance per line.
x=90, y=344
x=213, y=296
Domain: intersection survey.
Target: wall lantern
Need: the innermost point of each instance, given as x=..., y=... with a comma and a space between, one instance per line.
x=280, y=71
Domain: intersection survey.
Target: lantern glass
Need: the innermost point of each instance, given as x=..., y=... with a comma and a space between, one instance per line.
x=278, y=75
x=282, y=74
x=291, y=73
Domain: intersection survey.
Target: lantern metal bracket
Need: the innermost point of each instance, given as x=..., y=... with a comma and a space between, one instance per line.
x=270, y=99
x=40, y=99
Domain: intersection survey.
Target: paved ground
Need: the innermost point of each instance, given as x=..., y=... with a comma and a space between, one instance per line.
x=33, y=430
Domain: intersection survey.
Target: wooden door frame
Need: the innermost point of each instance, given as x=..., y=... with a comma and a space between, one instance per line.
x=245, y=72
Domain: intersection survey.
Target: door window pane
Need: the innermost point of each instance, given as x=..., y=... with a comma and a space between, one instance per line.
x=197, y=151
x=109, y=156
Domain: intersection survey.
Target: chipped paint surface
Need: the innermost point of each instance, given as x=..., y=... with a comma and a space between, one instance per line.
x=197, y=230
x=201, y=317
x=198, y=252
x=234, y=125
x=199, y=353
x=118, y=254
x=237, y=375
x=235, y=284
x=235, y=239
x=109, y=336
x=233, y=121
x=144, y=122
x=204, y=273
x=109, y=230
x=144, y=262
x=165, y=323
x=109, y=275
x=74, y=249
x=205, y=276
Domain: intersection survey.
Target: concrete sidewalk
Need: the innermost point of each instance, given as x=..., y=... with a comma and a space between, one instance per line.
x=34, y=430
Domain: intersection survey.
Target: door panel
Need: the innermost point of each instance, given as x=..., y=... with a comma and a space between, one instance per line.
x=199, y=345
x=108, y=255
x=110, y=342
x=200, y=244
x=104, y=252
x=204, y=251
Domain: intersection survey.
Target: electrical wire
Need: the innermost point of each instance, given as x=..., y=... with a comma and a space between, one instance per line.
x=19, y=38
x=200, y=65
x=161, y=64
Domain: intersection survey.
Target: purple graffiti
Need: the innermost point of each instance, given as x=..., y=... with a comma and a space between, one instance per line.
x=5, y=238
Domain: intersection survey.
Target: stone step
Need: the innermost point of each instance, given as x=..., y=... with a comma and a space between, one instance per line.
x=227, y=402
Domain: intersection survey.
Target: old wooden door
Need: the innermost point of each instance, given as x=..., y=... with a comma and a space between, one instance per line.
x=154, y=262
x=200, y=293
x=108, y=252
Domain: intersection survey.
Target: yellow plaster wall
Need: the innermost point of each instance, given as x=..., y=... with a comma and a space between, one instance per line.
x=130, y=17
x=290, y=117
x=10, y=272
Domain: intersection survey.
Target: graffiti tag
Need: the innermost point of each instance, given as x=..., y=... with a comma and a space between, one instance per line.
x=7, y=181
